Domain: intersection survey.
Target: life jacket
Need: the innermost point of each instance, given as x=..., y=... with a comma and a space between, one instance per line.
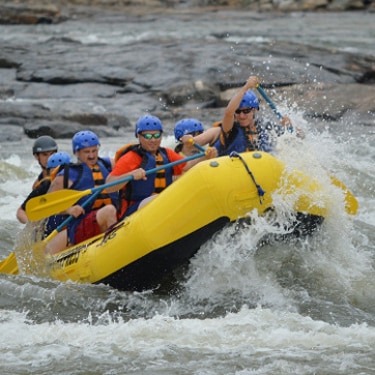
x=39, y=180
x=135, y=191
x=216, y=124
x=84, y=178
x=241, y=140
x=54, y=221
x=123, y=150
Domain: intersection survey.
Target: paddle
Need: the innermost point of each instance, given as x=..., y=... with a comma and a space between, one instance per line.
x=273, y=107
x=93, y=197
x=70, y=218
x=351, y=203
x=268, y=100
x=52, y=203
x=9, y=265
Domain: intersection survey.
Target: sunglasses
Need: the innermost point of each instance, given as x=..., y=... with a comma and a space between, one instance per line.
x=149, y=136
x=245, y=111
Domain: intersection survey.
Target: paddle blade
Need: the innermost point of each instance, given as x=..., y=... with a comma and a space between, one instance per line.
x=53, y=203
x=9, y=265
x=351, y=203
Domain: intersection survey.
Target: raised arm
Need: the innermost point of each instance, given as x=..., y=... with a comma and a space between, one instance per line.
x=228, y=118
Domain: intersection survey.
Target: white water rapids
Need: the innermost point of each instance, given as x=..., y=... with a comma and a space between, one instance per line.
x=306, y=306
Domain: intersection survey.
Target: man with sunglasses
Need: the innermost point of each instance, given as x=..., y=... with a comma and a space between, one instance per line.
x=148, y=154
x=240, y=130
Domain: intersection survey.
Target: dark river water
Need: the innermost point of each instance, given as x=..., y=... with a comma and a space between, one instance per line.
x=301, y=307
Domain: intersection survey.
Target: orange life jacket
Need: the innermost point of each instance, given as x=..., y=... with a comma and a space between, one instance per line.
x=103, y=198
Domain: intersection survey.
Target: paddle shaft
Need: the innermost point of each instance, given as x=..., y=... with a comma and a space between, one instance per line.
x=47, y=205
x=97, y=192
x=272, y=105
x=150, y=171
x=199, y=147
x=351, y=204
x=69, y=218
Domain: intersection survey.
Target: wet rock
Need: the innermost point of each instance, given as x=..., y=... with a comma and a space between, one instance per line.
x=15, y=13
x=42, y=11
x=329, y=101
x=11, y=129
x=60, y=85
x=198, y=91
x=65, y=91
x=65, y=129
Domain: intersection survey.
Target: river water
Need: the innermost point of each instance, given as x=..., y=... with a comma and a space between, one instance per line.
x=306, y=306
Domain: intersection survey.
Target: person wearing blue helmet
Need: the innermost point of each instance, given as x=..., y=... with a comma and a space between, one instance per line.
x=134, y=160
x=89, y=172
x=183, y=127
x=241, y=129
x=54, y=163
x=57, y=159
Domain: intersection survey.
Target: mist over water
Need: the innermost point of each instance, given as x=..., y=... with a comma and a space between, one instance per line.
x=253, y=300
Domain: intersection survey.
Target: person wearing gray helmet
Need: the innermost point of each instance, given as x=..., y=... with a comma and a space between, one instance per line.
x=43, y=147
x=54, y=164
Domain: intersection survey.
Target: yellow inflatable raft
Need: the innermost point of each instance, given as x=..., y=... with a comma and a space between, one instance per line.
x=141, y=250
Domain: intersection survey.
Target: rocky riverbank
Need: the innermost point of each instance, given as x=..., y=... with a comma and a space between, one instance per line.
x=42, y=11
x=102, y=66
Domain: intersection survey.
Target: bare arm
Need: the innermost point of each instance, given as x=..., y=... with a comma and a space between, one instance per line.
x=208, y=137
x=138, y=174
x=21, y=215
x=211, y=152
x=58, y=184
x=40, y=190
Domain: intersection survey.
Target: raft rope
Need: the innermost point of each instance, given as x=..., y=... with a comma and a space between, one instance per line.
x=261, y=192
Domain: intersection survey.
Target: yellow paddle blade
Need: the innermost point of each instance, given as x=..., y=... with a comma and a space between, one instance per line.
x=351, y=203
x=53, y=203
x=9, y=265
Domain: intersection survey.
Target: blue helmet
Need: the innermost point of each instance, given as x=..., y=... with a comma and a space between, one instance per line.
x=148, y=122
x=187, y=126
x=58, y=158
x=249, y=100
x=84, y=139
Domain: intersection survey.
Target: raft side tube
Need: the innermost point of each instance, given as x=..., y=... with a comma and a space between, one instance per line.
x=172, y=227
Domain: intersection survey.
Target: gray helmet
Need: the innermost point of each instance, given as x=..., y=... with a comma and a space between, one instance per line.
x=43, y=144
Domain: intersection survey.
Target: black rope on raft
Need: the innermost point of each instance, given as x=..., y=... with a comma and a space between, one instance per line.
x=261, y=192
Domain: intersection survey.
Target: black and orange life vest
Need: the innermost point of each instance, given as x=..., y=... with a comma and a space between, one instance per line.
x=135, y=191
